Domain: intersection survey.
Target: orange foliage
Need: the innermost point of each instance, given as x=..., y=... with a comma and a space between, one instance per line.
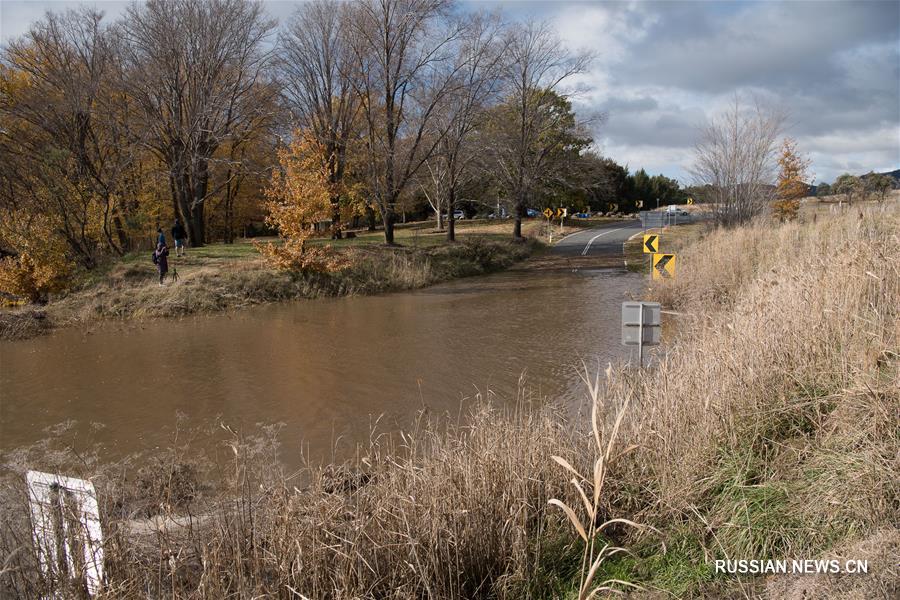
x=791, y=185
x=41, y=266
x=298, y=198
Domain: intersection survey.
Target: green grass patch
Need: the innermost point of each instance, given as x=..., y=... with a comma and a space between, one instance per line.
x=678, y=567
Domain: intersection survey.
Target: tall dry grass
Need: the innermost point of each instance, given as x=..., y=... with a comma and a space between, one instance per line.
x=770, y=429
x=442, y=511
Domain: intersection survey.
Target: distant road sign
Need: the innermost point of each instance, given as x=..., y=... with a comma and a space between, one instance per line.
x=690, y=201
x=651, y=243
x=548, y=212
x=562, y=212
x=663, y=266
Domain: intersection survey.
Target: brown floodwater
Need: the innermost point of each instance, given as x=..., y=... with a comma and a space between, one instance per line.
x=327, y=369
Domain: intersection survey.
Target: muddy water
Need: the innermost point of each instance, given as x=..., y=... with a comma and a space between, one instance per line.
x=326, y=368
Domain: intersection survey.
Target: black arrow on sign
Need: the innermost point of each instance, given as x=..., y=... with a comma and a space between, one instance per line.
x=662, y=262
x=651, y=243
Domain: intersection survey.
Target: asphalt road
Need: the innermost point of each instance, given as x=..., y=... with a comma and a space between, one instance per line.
x=605, y=240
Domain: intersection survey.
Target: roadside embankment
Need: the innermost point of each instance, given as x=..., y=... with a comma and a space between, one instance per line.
x=219, y=278
x=770, y=429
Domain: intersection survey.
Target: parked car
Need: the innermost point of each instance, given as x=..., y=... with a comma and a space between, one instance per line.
x=457, y=215
x=531, y=212
x=582, y=215
x=672, y=209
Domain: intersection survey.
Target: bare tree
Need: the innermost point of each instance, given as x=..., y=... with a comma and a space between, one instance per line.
x=246, y=157
x=315, y=65
x=432, y=183
x=534, y=124
x=196, y=68
x=736, y=159
x=476, y=68
x=399, y=48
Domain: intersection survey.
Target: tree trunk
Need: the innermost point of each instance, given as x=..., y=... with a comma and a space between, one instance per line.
x=229, y=218
x=228, y=207
x=520, y=212
x=124, y=242
x=184, y=200
x=388, y=219
x=177, y=205
x=451, y=218
x=197, y=231
x=336, y=218
x=370, y=217
x=440, y=220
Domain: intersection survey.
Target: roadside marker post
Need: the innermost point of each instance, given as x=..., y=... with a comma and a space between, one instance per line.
x=663, y=266
x=65, y=521
x=651, y=243
x=561, y=213
x=641, y=326
x=548, y=212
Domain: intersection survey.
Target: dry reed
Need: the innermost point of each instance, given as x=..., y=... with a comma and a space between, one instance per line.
x=770, y=429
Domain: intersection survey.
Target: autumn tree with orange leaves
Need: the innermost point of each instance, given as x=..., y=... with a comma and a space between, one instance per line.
x=792, y=184
x=299, y=196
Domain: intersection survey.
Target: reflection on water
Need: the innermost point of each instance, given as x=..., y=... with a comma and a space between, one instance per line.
x=325, y=368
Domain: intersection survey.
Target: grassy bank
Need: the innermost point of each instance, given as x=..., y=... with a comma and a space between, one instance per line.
x=222, y=277
x=770, y=429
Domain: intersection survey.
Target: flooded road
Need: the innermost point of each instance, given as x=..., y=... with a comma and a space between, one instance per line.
x=325, y=368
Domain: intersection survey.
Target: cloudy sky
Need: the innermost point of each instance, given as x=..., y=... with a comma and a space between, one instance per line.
x=663, y=68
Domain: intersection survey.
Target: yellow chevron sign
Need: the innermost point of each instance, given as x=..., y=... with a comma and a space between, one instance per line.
x=690, y=201
x=663, y=266
x=651, y=243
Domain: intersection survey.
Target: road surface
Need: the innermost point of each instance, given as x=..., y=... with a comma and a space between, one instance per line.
x=605, y=240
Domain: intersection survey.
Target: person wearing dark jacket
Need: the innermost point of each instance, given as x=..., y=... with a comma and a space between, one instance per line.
x=179, y=235
x=162, y=260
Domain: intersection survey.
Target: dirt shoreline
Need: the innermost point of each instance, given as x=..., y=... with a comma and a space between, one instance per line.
x=128, y=290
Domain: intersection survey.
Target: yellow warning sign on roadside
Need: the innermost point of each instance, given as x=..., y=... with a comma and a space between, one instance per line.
x=663, y=266
x=548, y=212
x=562, y=212
x=690, y=201
x=651, y=243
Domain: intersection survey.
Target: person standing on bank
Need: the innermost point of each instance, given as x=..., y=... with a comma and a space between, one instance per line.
x=179, y=235
x=162, y=260
x=160, y=236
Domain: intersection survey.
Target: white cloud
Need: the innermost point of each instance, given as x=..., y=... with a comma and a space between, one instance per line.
x=664, y=68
